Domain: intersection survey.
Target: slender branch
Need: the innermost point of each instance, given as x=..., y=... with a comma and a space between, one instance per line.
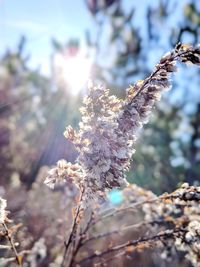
x=122, y=229
x=79, y=242
x=10, y=239
x=148, y=79
x=135, y=206
x=68, y=242
x=131, y=246
x=81, y=238
x=103, y=261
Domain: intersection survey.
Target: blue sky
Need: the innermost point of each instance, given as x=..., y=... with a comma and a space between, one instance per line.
x=40, y=21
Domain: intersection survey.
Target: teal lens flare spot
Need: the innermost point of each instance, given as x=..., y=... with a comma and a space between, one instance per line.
x=115, y=197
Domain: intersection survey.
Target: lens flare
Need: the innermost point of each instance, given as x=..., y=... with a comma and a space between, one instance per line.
x=74, y=71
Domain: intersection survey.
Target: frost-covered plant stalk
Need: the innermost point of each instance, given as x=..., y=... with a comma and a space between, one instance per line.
x=105, y=142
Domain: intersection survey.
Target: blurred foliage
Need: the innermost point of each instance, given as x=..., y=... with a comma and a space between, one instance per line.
x=33, y=117
x=168, y=150
x=22, y=114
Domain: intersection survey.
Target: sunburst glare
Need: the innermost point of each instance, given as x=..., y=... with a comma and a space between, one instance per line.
x=73, y=71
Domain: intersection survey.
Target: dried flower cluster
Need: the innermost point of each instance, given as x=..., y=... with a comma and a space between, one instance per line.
x=8, y=233
x=182, y=208
x=3, y=212
x=105, y=142
x=109, y=127
x=190, y=240
x=190, y=243
x=170, y=222
x=62, y=173
x=97, y=140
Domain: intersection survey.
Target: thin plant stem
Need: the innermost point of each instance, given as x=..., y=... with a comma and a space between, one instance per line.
x=10, y=239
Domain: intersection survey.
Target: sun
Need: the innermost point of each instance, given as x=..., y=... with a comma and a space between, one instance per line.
x=74, y=72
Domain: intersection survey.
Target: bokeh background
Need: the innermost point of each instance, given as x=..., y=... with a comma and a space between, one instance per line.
x=48, y=51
